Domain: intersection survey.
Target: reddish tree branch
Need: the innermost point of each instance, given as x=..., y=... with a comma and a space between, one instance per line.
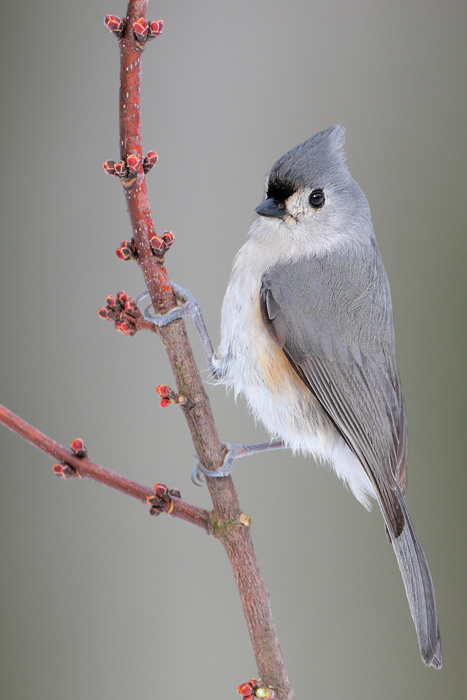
x=211, y=452
x=226, y=522
x=89, y=470
x=234, y=535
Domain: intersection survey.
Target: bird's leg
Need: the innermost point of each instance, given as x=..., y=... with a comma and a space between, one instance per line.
x=235, y=451
x=186, y=306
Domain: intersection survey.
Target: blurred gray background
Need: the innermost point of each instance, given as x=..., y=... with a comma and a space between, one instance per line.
x=98, y=600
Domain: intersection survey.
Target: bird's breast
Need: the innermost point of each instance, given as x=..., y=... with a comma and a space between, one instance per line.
x=251, y=362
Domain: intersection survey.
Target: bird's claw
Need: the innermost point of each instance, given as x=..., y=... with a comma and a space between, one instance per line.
x=199, y=471
x=234, y=451
x=186, y=306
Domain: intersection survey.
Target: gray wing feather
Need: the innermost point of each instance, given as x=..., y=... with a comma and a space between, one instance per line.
x=333, y=320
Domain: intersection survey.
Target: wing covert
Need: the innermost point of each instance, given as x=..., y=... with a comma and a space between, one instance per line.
x=333, y=320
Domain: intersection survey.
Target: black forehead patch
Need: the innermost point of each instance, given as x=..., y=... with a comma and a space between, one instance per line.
x=279, y=190
x=317, y=162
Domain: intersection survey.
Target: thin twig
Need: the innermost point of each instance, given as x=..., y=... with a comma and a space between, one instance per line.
x=89, y=470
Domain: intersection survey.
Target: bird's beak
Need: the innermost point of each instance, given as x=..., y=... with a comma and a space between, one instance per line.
x=271, y=207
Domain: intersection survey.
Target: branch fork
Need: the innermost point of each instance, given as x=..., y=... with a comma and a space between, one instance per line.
x=226, y=522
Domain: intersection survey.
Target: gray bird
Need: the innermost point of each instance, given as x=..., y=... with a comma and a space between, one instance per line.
x=307, y=337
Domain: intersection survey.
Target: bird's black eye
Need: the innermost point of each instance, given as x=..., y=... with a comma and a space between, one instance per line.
x=317, y=199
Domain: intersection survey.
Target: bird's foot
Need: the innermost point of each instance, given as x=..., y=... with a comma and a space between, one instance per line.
x=186, y=306
x=235, y=451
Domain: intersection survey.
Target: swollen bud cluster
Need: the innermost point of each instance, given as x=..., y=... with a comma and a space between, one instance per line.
x=162, y=501
x=124, y=313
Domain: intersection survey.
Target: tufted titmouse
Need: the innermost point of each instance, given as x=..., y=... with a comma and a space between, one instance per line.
x=307, y=336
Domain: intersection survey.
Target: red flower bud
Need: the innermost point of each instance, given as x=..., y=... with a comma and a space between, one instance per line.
x=109, y=167
x=157, y=245
x=121, y=169
x=132, y=162
x=160, y=490
x=64, y=471
x=168, y=238
x=78, y=447
x=150, y=159
x=141, y=28
x=155, y=28
x=123, y=253
x=114, y=24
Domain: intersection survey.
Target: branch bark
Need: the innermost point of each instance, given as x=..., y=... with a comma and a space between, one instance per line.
x=227, y=522
x=234, y=535
x=90, y=470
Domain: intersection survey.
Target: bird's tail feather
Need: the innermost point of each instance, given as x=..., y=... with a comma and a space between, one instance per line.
x=419, y=588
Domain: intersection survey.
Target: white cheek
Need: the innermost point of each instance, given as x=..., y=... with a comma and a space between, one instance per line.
x=316, y=231
x=298, y=205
